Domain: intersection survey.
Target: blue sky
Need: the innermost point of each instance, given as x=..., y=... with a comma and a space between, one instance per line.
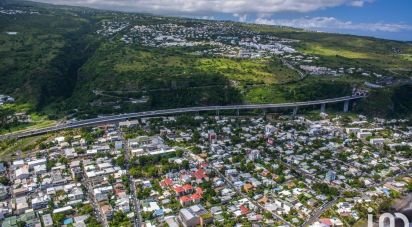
x=390, y=19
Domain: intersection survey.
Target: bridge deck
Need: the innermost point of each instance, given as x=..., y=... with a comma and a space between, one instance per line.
x=121, y=117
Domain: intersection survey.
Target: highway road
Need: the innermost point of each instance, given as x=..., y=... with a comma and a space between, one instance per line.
x=122, y=117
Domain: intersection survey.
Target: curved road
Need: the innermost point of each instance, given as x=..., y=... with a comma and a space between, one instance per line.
x=121, y=117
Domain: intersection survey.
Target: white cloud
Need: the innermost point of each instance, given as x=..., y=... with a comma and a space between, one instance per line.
x=212, y=6
x=204, y=17
x=357, y=3
x=240, y=17
x=331, y=23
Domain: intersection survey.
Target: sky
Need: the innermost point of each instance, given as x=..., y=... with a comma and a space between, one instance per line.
x=389, y=19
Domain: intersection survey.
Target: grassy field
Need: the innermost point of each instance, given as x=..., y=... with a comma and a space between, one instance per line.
x=385, y=56
x=12, y=148
x=310, y=88
x=175, y=75
x=265, y=94
x=262, y=71
x=318, y=49
x=376, y=61
x=28, y=126
x=269, y=28
x=37, y=120
x=407, y=57
x=135, y=65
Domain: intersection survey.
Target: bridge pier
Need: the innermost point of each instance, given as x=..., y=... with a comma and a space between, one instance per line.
x=116, y=118
x=346, y=106
x=322, y=107
x=217, y=112
x=237, y=112
x=264, y=112
x=295, y=111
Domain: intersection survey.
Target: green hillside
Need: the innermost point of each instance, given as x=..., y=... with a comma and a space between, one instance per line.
x=70, y=60
x=335, y=50
x=39, y=61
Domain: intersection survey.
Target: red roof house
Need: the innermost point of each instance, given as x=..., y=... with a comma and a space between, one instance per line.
x=179, y=190
x=185, y=200
x=166, y=182
x=196, y=198
x=188, y=188
x=244, y=210
x=200, y=175
x=199, y=191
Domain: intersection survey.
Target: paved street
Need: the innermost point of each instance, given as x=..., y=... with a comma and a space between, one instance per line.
x=101, y=218
x=136, y=204
x=315, y=216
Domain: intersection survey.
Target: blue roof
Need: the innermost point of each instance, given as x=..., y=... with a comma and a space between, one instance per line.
x=386, y=191
x=68, y=221
x=158, y=212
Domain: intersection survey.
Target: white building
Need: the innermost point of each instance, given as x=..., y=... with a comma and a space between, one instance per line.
x=363, y=135
x=22, y=172
x=377, y=141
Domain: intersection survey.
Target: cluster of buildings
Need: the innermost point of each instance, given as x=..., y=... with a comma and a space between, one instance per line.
x=284, y=168
x=216, y=36
x=8, y=11
x=210, y=170
x=318, y=70
x=110, y=28
x=70, y=181
x=309, y=64
x=217, y=39
x=148, y=145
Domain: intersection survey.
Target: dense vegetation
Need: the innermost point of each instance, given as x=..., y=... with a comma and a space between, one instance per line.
x=168, y=76
x=395, y=102
x=39, y=64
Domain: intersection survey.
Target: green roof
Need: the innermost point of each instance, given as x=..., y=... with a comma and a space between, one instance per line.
x=29, y=218
x=10, y=221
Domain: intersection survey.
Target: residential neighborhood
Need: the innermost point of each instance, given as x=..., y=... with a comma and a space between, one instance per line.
x=217, y=39
x=198, y=113
x=211, y=171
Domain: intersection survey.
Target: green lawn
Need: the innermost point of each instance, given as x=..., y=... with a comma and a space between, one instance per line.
x=261, y=71
x=8, y=148
x=38, y=120
x=135, y=64
x=265, y=94
x=319, y=49
x=407, y=57
x=339, y=50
